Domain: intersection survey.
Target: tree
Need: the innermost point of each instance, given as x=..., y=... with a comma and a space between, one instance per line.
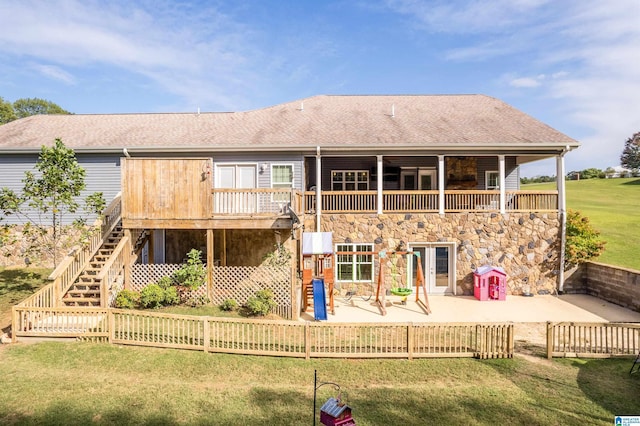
x=33, y=106
x=7, y=113
x=630, y=157
x=51, y=193
x=582, y=243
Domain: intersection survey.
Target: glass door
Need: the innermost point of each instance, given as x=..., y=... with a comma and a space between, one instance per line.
x=237, y=177
x=437, y=266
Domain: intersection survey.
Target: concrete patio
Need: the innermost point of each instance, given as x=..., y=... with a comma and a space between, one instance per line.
x=568, y=307
x=529, y=313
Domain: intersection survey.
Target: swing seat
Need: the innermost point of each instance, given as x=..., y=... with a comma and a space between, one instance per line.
x=399, y=291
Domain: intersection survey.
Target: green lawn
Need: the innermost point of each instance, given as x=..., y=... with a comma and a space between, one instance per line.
x=82, y=383
x=613, y=207
x=16, y=284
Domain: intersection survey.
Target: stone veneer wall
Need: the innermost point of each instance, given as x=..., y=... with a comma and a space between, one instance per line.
x=526, y=245
x=611, y=283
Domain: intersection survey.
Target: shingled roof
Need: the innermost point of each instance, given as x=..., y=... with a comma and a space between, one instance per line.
x=331, y=122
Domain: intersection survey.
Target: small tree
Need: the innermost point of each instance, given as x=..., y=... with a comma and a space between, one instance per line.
x=26, y=107
x=7, y=113
x=583, y=242
x=630, y=157
x=48, y=196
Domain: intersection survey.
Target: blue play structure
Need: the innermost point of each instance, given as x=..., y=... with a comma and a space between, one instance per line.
x=319, y=299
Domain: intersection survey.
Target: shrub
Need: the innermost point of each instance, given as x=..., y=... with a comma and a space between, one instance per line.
x=261, y=303
x=583, y=242
x=192, y=274
x=165, y=282
x=229, y=305
x=171, y=296
x=127, y=299
x=152, y=296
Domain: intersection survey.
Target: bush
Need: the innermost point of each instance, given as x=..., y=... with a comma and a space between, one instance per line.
x=127, y=299
x=229, y=305
x=261, y=303
x=165, y=282
x=152, y=296
x=171, y=296
x=583, y=242
x=192, y=274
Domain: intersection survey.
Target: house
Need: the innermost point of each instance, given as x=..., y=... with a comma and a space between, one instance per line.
x=435, y=174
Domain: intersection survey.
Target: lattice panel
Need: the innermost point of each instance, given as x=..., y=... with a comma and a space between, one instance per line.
x=229, y=282
x=143, y=275
x=241, y=282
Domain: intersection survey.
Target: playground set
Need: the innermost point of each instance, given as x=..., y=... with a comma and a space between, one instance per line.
x=317, y=275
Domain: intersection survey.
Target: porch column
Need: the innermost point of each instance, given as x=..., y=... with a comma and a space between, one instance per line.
x=127, y=260
x=441, y=184
x=562, y=213
x=503, y=196
x=210, y=248
x=380, y=180
x=318, y=188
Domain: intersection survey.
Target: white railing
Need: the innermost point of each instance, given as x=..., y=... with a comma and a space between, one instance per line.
x=254, y=201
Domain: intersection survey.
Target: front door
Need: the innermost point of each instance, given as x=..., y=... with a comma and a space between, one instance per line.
x=236, y=176
x=437, y=265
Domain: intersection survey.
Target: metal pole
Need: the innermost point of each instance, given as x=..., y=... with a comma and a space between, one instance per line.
x=315, y=389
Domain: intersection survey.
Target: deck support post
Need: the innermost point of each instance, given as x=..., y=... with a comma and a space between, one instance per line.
x=441, y=184
x=380, y=181
x=210, y=242
x=501, y=171
x=562, y=213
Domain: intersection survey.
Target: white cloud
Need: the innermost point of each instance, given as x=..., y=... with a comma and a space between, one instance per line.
x=55, y=73
x=172, y=45
x=582, y=55
x=525, y=82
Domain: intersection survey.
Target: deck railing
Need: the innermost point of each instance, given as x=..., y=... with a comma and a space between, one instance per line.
x=111, y=278
x=264, y=337
x=428, y=201
x=73, y=264
x=592, y=340
x=255, y=201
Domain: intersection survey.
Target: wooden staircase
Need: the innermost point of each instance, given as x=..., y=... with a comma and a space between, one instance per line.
x=85, y=291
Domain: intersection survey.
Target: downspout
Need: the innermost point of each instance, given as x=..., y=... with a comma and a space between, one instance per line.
x=318, y=188
x=126, y=153
x=562, y=212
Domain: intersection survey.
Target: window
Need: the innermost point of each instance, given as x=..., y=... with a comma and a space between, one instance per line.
x=349, y=180
x=354, y=267
x=281, y=178
x=492, y=179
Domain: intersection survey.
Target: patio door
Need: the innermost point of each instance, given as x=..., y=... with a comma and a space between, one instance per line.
x=238, y=177
x=438, y=266
x=420, y=179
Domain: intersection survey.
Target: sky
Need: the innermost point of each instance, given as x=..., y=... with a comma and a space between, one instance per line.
x=571, y=64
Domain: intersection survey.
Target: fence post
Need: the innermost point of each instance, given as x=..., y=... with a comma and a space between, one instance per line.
x=307, y=340
x=14, y=324
x=511, y=336
x=410, y=339
x=111, y=325
x=207, y=334
x=549, y=340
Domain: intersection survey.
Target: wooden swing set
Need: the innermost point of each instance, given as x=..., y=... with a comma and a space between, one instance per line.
x=380, y=291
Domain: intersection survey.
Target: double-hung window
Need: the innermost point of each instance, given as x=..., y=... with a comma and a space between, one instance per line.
x=281, y=178
x=349, y=180
x=354, y=267
x=492, y=179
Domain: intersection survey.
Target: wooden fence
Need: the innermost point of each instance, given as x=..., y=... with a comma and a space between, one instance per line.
x=264, y=337
x=592, y=340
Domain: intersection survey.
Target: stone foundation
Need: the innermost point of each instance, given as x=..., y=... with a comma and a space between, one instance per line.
x=526, y=245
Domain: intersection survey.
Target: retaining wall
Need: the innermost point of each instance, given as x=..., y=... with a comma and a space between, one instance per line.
x=611, y=283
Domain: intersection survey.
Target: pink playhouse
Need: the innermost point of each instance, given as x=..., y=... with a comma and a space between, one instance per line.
x=490, y=283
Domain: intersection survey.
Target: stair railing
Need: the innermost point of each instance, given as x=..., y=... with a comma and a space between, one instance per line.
x=111, y=277
x=77, y=260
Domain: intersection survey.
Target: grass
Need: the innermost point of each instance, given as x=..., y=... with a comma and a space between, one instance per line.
x=613, y=208
x=81, y=383
x=16, y=285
